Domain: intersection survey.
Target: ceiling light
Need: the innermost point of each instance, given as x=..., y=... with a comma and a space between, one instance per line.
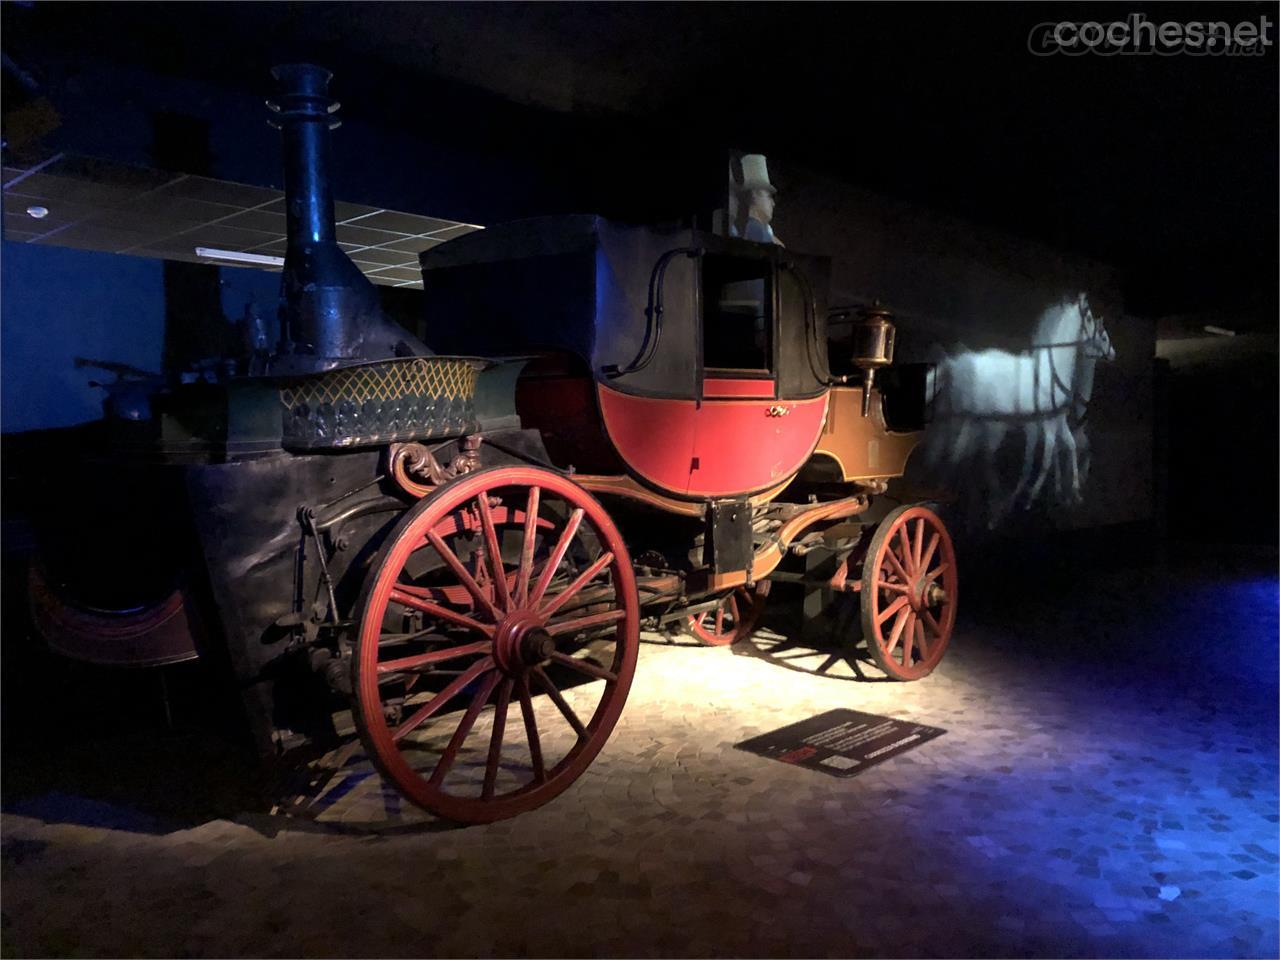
x=1219, y=331
x=38, y=212
x=235, y=256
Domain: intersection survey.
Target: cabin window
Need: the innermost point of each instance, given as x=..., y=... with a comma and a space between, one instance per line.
x=737, y=315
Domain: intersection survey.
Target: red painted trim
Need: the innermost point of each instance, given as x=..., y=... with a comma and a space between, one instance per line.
x=152, y=636
x=712, y=448
x=737, y=387
x=741, y=448
x=653, y=436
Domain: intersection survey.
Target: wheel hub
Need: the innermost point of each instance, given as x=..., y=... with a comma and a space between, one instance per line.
x=926, y=594
x=934, y=595
x=537, y=646
x=520, y=642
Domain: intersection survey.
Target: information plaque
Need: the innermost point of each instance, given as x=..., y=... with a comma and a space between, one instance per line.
x=841, y=742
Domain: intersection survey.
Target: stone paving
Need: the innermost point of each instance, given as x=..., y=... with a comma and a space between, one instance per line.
x=1090, y=798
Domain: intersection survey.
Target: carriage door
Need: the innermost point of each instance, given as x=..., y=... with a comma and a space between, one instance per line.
x=747, y=438
x=737, y=385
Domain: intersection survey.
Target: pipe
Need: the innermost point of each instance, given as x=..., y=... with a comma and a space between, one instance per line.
x=331, y=314
x=653, y=313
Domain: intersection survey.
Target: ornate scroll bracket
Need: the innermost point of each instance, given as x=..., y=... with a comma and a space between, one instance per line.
x=417, y=472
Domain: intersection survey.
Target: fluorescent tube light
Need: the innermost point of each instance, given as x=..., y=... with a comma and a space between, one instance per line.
x=235, y=256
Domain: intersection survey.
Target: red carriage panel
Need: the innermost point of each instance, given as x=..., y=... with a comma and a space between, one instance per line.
x=715, y=447
x=725, y=388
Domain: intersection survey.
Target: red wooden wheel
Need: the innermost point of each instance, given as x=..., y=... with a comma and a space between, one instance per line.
x=503, y=583
x=909, y=592
x=132, y=636
x=733, y=619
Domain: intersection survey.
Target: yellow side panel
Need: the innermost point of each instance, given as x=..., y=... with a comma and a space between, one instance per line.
x=863, y=446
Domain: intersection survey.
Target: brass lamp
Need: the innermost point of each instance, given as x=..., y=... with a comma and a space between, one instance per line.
x=873, y=337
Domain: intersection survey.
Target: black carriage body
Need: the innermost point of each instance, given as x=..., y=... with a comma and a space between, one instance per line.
x=628, y=301
x=279, y=507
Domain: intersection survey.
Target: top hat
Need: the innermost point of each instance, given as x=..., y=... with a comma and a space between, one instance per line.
x=755, y=174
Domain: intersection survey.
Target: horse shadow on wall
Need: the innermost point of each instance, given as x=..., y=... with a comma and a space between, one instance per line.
x=1009, y=429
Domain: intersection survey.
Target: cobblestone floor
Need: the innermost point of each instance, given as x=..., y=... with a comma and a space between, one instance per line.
x=1107, y=787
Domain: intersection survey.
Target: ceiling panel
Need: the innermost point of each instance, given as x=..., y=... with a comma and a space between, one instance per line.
x=413, y=245
x=385, y=258
x=406, y=223
x=272, y=223
x=397, y=274
x=94, y=204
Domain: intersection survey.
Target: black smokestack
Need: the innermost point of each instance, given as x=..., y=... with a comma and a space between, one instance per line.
x=331, y=314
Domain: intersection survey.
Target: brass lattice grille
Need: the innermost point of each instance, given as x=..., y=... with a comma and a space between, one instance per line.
x=415, y=398
x=435, y=377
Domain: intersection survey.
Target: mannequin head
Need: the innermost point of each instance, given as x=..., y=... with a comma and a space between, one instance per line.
x=760, y=205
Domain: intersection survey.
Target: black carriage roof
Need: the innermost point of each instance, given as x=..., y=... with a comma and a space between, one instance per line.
x=586, y=285
x=517, y=240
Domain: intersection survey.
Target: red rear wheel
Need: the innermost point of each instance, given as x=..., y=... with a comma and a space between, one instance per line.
x=909, y=593
x=503, y=584
x=733, y=619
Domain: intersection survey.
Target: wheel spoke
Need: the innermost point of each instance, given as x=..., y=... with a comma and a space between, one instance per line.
x=584, y=666
x=526, y=548
x=933, y=624
x=435, y=656
x=720, y=620
x=459, y=737
x=572, y=590
x=920, y=639
x=917, y=548
x=495, y=739
x=895, y=587
x=463, y=574
x=894, y=562
x=557, y=555
x=936, y=572
x=896, y=632
x=531, y=731
x=439, y=612
x=905, y=541
x=559, y=701
x=891, y=609
x=495, y=552
x=908, y=635
x=582, y=623
x=422, y=593
x=928, y=552
x=434, y=705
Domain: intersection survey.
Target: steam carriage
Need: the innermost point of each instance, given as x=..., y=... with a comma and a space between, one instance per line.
x=614, y=428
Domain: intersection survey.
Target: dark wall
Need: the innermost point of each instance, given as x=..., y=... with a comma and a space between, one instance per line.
x=1029, y=429
x=59, y=304
x=1221, y=422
